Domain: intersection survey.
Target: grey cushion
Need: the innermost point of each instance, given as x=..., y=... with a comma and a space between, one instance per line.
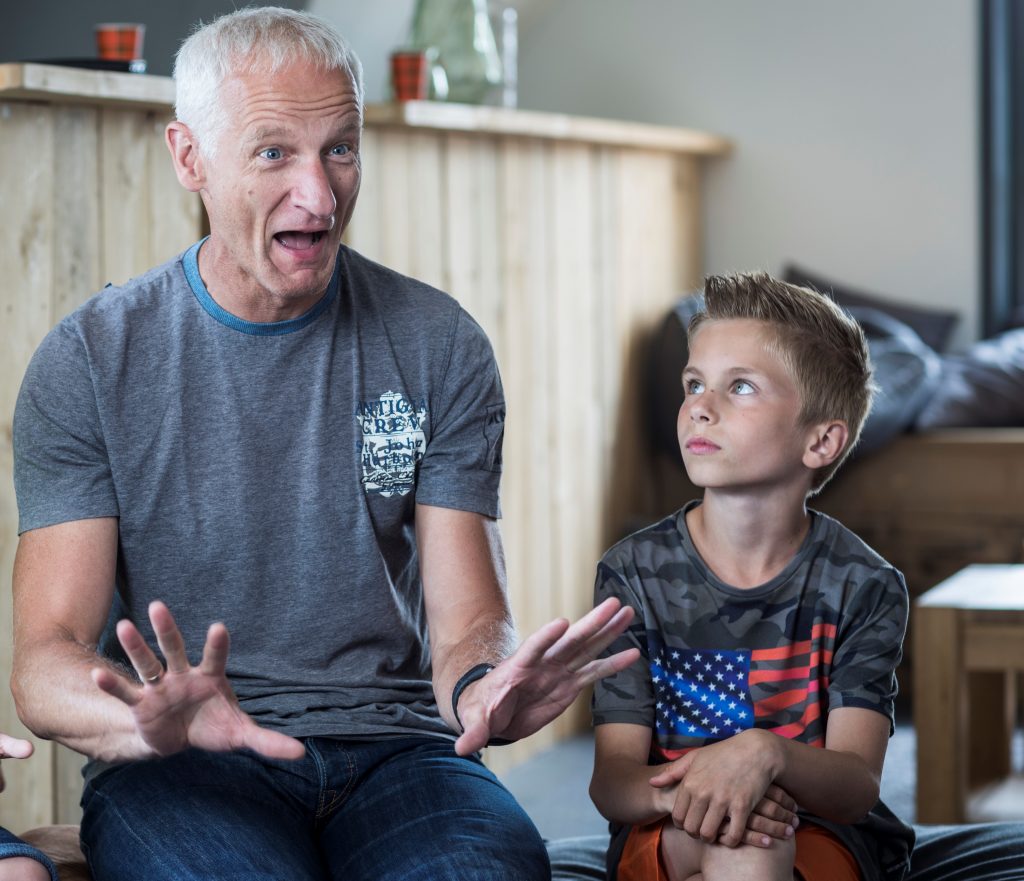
x=984, y=388
x=933, y=326
x=906, y=374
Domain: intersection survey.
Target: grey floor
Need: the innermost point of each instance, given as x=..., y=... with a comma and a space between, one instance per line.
x=552, y=786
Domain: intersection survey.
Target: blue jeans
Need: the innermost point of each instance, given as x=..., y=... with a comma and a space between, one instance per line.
x=398, y=808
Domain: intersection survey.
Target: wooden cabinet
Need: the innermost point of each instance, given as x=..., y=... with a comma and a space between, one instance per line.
x=567, y=238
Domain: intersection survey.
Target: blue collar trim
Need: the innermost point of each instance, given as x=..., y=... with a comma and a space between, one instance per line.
x=190, y=262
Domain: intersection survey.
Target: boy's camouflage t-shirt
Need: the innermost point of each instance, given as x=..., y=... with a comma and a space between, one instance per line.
x=825, y=633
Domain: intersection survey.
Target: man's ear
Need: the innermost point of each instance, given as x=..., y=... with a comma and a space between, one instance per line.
x=188, y=165
x=825, y=443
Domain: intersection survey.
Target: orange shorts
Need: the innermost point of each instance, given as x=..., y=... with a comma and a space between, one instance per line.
x=820, y=856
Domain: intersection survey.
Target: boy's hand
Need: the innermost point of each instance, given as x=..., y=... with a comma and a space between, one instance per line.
x=773, y=817
x=13, y=748
x=720, y=786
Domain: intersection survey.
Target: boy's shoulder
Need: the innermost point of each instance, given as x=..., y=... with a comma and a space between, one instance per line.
x=842, y=547
x=654, y=545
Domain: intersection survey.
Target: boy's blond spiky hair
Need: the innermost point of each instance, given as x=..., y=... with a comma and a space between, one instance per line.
x=824, y=348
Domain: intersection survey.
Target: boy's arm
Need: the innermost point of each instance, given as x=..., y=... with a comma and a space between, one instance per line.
x=621, y=788
x=838, y=783
x=841, y=782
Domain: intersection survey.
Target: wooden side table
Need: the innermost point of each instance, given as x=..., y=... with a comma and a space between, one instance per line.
x=968, y=649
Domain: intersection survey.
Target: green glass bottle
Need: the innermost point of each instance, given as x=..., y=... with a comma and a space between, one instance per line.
x=460, y=31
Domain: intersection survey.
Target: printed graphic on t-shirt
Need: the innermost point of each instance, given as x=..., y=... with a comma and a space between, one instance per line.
x=393, y=442
x=712, y=694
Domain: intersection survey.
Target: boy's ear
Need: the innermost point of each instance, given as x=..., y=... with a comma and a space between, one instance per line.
x=188, y=164
x=826, y=442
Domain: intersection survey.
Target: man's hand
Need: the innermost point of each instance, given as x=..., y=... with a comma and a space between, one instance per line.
x=544, y=675
x=13, y=748
x=720, y=786
x=187, y=706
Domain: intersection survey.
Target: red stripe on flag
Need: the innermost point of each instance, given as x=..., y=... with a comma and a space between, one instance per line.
x=795, y=729
x=795, y=648
x=802, y=672
x=782, y=700
x=670, y=755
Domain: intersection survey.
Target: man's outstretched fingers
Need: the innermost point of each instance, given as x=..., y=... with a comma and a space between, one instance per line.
x=611, y=631
x=116, y=686
x=215, y=652
x=473, y=739
x=536, y=646
x=607, y=666
x=168, y=637
x=146, y=664
x=273, y=744
x=569, y=646
x=15, y=747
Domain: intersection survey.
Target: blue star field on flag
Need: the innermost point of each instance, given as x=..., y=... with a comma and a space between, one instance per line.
x=701, y=693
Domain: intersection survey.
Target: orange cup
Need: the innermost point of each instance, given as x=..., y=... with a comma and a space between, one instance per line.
x=120, y=41
x=410, y=73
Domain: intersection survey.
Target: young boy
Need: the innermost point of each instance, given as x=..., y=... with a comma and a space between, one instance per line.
x=18, y=860
x=770, y=633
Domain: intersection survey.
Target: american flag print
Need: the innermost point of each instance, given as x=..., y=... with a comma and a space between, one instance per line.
x=709, y=694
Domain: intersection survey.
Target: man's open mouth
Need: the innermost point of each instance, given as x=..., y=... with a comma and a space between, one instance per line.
x=299, y=241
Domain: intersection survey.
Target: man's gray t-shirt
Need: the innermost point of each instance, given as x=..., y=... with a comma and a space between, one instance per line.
x=265, y=475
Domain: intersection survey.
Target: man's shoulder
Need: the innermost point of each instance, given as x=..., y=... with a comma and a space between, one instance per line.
x=113, y=315
x=149, y=293
x=648, y=548
x=390, y=286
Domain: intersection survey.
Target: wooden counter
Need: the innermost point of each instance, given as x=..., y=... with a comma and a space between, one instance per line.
x=567, y=238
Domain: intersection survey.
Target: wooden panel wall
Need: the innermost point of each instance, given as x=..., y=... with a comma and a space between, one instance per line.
x=98, y=202
x=567, y=254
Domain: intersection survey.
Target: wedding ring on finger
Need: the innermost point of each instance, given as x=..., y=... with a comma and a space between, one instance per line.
x=154, y=679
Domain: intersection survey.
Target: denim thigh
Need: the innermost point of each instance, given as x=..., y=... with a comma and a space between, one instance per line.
x=197, y=816
x=421, y=812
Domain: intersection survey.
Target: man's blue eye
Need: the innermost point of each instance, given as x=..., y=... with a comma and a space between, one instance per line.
x=341, y=150
x=271, y=153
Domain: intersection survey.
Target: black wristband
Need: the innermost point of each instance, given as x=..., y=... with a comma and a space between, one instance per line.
x=467, y=679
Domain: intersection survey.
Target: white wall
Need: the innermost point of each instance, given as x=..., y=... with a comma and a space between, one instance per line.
x=373, y=30
x=855, y=124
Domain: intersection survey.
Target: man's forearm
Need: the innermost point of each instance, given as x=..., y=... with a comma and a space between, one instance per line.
x=488, y=641
x=57, y=699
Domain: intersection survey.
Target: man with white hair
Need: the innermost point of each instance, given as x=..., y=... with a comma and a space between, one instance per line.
x=277, y=435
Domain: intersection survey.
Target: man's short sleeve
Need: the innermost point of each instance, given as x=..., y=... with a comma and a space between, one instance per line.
x=61, y=469
x=626, y=696
x=869, y=645
x=461, y=467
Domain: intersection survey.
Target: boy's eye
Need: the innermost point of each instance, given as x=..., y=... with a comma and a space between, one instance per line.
x=693, y=386
x=272, y=153
x=742, y=387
